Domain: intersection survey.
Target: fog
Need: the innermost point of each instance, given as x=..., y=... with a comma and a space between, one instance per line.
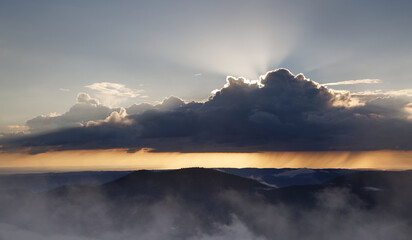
x=79, y=215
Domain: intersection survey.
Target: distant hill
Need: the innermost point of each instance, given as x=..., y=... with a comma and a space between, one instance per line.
x=285, y=177
x=46, y=181
x=268, y=176
x=188, y=182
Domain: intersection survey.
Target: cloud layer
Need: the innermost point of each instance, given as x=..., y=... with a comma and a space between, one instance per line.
x=278, y=112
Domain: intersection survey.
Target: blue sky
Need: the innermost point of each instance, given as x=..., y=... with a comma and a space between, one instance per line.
x=52, y=50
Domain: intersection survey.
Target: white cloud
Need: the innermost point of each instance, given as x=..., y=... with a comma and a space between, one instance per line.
x=16, y=129
x=115, y=89
x=352, y=82
x=86, y=99
x=402, y=92
x=115, y=118
x=113, y=93
x=64, y=89
x=408, y=110
x=86, y=109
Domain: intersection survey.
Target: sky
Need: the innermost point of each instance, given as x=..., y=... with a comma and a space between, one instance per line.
x=76, y=75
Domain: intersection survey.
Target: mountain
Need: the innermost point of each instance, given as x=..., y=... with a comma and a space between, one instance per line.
x=271, y=177
x=189, y=182
x=389, y=190
x=130, y=201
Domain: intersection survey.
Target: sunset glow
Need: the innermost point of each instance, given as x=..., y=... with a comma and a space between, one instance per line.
x=117, y=159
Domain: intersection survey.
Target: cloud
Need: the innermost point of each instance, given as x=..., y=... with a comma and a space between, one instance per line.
x=113, y=93
x=352, y=82
x=115, y=118
x=114, y=89
x=408, y=109
x=89, y=112
x=85, y=98
x=64, y=89
x=402, y=95
x=86, y=109
x=18, y=129
x=278, y=112
x=403, y=92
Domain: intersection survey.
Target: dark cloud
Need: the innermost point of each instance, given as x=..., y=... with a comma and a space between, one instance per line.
x=280, y=111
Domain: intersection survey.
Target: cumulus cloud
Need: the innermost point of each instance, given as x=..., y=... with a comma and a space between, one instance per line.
x=115, y=118
x=85, y=98
x=278, y=112
x=86, y=109
x=353, y=82
x=89, y=112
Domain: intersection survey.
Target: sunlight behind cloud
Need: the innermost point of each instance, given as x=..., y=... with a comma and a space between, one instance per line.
x=238, y=44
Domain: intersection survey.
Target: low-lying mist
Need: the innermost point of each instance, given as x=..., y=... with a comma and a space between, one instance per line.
x=75, y=214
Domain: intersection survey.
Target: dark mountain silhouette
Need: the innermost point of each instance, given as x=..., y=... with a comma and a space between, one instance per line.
x=190, y=182
x=273, y=177
x=391, y=190
x=199, y=190
x=47, y=181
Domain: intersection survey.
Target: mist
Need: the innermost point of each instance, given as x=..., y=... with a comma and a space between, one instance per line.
x=75, y=214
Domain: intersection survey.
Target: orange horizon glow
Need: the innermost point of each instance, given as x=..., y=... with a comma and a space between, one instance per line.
x=119, y=159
